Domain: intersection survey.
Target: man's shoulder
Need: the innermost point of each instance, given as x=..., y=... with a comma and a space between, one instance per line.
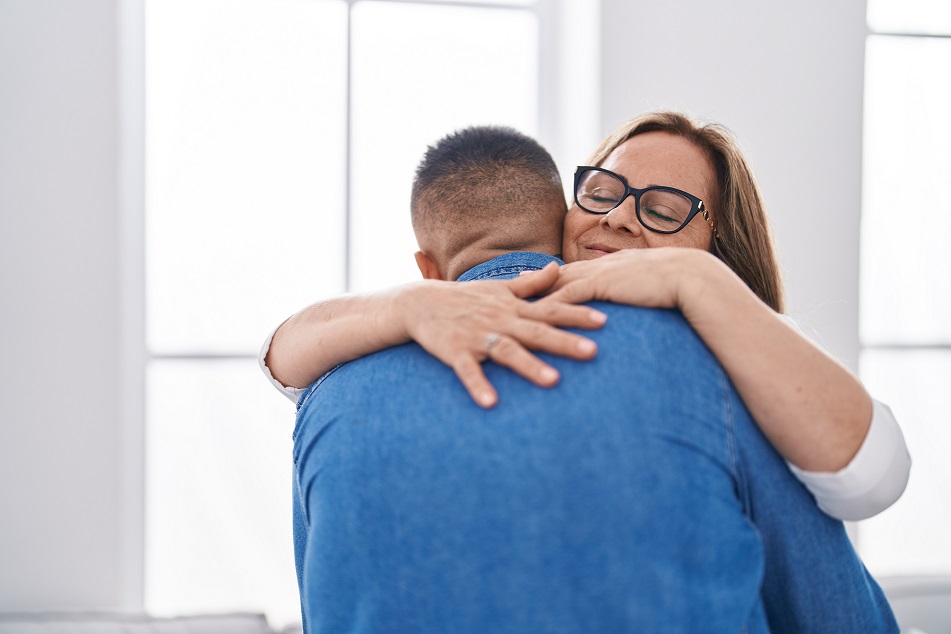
x=625, y=320
x=402, y=361
x=646, y=340
x=377, y=381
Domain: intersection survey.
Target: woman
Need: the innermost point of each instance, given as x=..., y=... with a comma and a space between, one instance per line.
x=668, y=215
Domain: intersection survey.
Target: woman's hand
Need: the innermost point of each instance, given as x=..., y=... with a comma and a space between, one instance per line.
x=636, y=277
x=463, y=324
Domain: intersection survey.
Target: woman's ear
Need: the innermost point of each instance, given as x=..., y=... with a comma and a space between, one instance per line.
x=427, y=266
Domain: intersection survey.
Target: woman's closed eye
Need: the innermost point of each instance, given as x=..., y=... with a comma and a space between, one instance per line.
x=661, y=214
x=601, y=195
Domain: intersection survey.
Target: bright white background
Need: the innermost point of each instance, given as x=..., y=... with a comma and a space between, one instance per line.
x=77, y=177
x=279, y=159
x=905, y=321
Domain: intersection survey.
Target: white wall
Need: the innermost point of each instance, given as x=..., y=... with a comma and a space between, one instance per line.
x=787, y=79
x=60, y=510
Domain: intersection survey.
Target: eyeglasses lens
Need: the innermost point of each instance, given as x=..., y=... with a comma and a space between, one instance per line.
x=598, y=192
x=663, y=210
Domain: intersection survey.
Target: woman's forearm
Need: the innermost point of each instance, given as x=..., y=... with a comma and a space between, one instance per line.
x=334, y=331
x=813, y=411
x=452, y=321
x=810, y=407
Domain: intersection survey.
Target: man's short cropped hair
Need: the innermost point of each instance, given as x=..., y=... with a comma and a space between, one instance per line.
x=485, y=179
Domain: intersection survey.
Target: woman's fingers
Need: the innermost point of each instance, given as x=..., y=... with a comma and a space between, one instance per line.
x=466, y=324
x=564, y=314
x=506, y=352
x=510, y=353
x=534, y=283
x=574, y=292
x=544, y=338
x=577, y=271
x=469, y=371
x=513, y=352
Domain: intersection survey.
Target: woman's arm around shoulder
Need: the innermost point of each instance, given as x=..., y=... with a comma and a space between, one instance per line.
x=451, y=320
x=811, y=408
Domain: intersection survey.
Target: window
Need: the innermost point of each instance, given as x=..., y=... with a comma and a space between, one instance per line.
x=444, y=68
x=245, y=187
x=905, y=314
x=281, y=139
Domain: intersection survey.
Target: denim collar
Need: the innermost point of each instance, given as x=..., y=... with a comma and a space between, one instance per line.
x=508, y=265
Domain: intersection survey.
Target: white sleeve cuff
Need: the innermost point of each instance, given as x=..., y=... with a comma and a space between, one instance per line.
x=292, y=393
x=872, y=481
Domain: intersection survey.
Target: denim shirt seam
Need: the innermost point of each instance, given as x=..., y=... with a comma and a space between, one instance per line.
x=504, y=270
x=509, y=265
x=731, y=441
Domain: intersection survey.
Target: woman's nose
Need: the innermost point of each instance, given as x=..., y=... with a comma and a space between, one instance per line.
x=623, y=218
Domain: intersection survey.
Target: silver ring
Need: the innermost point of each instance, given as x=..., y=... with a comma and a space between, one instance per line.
x=491, y=340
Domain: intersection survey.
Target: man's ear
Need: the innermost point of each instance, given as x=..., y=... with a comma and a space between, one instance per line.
x=427, y=266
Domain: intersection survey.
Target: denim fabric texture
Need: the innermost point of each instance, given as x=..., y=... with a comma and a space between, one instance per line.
x=505, y=266
x=299, y=527
x=637, y=495
x=508, y=265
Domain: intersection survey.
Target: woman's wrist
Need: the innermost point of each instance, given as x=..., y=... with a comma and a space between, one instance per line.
x=400, y=312
x=700, y=280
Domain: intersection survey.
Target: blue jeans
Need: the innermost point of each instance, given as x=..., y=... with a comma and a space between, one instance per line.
x=638, y=495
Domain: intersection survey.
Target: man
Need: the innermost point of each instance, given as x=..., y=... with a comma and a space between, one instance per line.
x=637, y=495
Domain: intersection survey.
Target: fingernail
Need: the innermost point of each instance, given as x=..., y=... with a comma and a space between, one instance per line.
x=598, y=317
x=548, y=375
x=487, y=399
x=587, y=346
x=521, y=273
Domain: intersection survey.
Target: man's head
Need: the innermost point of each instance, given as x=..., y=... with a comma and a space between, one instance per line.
x=481, y=192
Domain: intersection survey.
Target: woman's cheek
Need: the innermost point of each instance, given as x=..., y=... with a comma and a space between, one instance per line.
x=576, y=223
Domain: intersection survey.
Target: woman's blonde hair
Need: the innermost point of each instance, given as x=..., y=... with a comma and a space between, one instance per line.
x=742, y=238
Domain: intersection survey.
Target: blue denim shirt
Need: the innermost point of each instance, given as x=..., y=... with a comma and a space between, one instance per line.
x=637, y=495
x=509, y=265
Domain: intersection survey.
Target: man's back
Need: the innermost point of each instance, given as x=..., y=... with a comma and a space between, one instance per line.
x=612, y=502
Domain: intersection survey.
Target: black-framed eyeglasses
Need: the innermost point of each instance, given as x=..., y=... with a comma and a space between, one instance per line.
x=658, y=208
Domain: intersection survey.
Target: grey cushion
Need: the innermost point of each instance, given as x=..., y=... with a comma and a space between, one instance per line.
x=922, y=605
x=103, y=623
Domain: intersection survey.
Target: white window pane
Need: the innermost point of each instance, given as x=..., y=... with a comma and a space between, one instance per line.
x=910, y=16
x=912, y=536
x=218, y=492
x=906, y=218
x=246, y=104
x=420, y=72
